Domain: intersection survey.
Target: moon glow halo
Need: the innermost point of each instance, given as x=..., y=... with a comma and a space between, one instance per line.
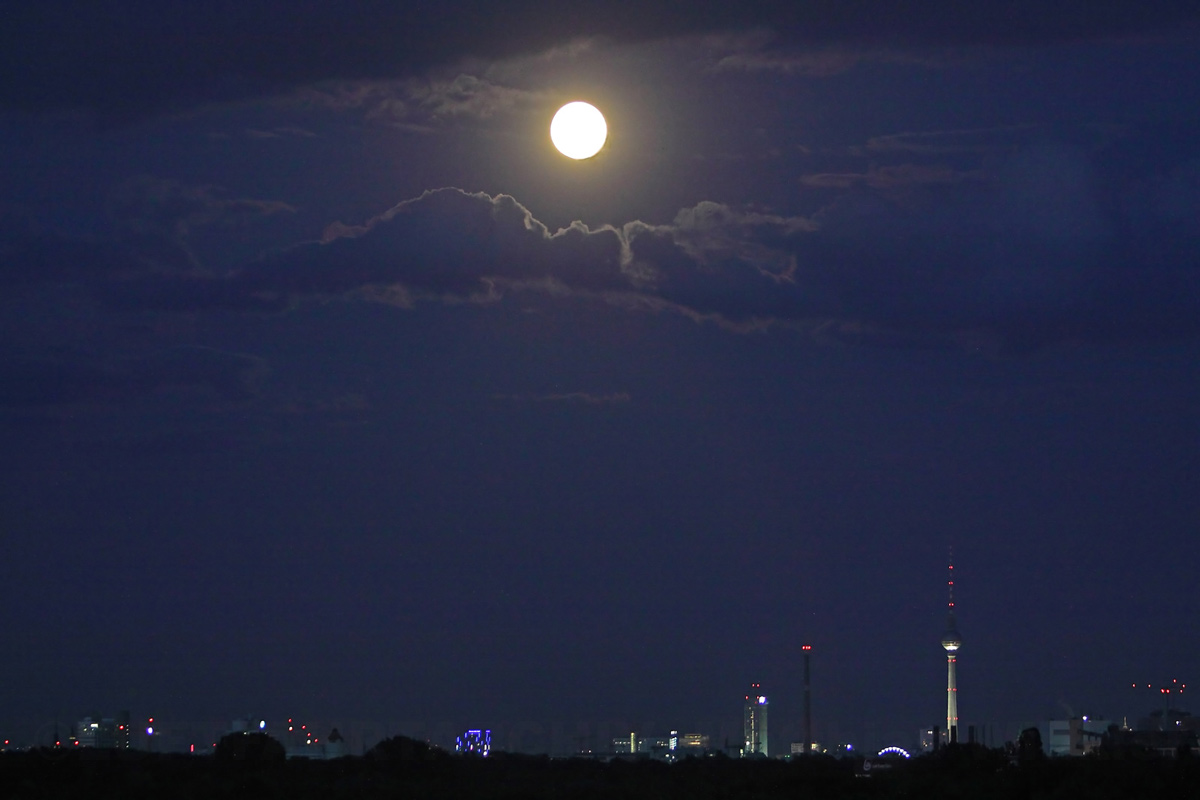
x=578, y=130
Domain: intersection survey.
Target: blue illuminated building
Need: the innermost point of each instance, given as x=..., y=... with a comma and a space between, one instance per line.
x=477, y=742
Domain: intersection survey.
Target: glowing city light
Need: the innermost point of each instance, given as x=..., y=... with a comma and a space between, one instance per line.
x=477, y=741
x=892, y=751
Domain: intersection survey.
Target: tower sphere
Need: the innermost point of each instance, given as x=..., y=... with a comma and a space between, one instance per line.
x=951, y=641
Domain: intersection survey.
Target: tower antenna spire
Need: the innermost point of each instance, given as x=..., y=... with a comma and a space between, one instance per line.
x=950, y=580
x=951, y=642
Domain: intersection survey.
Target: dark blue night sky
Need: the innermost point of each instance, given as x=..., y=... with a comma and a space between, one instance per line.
x=328, y=389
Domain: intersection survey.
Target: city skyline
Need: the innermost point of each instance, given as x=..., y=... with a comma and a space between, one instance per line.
x=330, y=388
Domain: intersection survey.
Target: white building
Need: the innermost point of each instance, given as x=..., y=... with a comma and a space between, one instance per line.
x=1074, y=737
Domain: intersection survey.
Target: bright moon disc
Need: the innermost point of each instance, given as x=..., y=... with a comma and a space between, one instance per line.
x=578, y=130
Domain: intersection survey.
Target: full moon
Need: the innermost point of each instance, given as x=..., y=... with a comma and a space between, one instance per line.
x=578, y=130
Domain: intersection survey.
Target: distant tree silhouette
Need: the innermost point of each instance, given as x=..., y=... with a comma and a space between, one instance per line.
x=251, y=748
x=1029, y=745
x=404, y=748
x=412, y=770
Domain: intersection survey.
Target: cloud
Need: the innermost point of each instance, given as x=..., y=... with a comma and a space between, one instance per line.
x=284, y=131
x=146, y=204
x=766, y=51
x=1032, y=253
x=586, y=398
x=72, y=378
x=446, y=243
x=36, y=259
x=417, y=105
x=1028, y=257
x=350, y=404
x=466, y=95
x=153, y=218
x=970, y=140
x=116, y=59
x=897, y=176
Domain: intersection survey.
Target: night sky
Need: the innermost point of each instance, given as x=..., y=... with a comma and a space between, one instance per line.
x=329, y=389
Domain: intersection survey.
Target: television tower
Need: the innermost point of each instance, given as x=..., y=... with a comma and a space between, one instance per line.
x=807, y=702
x=951, y=641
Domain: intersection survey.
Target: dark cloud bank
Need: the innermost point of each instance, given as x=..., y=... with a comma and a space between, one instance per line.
x=1027, y=257
x=144, y=56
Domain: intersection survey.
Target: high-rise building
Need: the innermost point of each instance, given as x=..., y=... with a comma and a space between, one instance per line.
x=951, y=642
x=754, y=722
x=106, y=733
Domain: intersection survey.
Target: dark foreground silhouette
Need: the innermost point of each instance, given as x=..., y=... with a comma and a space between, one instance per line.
x=404, y=768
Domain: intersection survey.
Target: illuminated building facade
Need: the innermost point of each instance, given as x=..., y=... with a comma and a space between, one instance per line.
x=107, y=733
x=668, y=747
x=754, y=722
x=478, y=742
x=626, y=744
